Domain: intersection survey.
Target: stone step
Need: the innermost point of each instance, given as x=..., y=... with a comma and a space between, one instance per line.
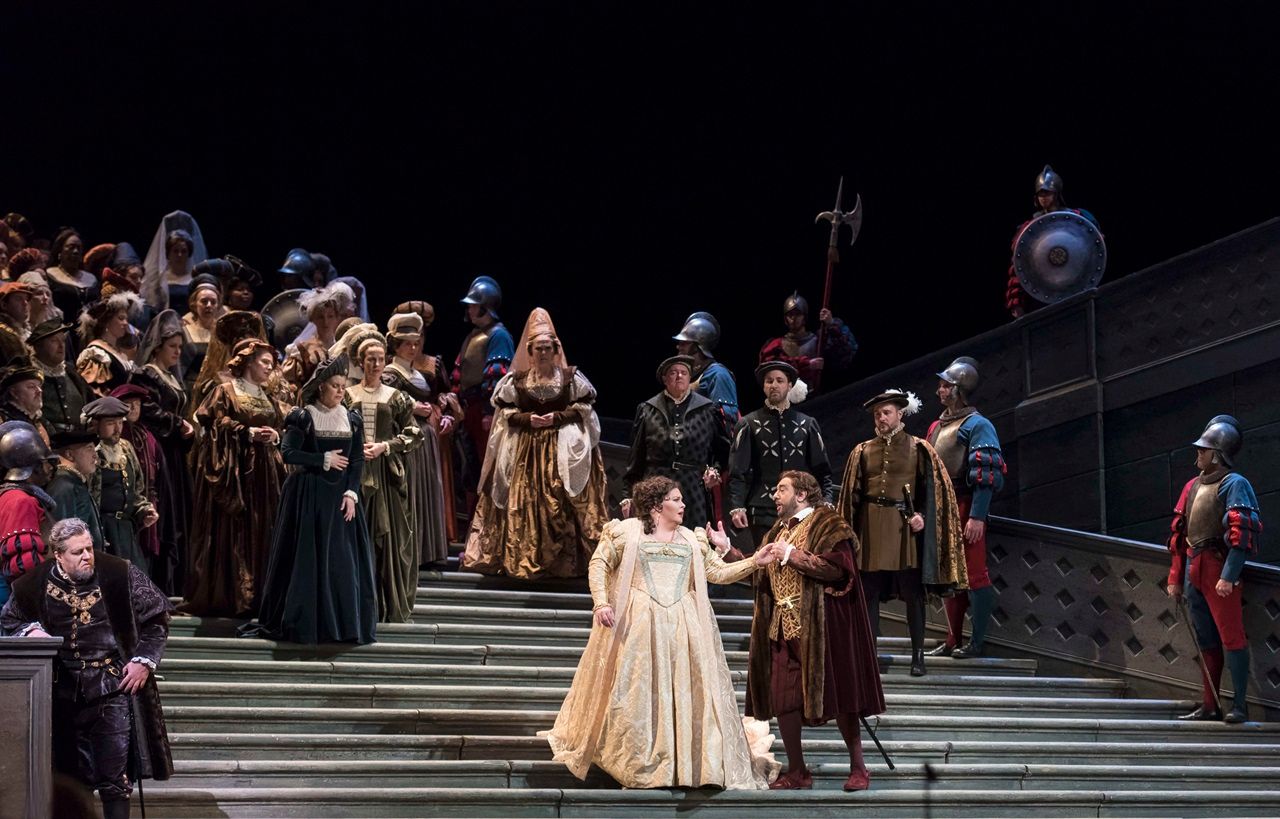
x=215, y=773
x=313, y=672
x=550, y=697
x=232, y=648
x=529, y=626
x=330, y=746
x=909, y=726
x=475, y=580
x=531, y=597
x=179, y=803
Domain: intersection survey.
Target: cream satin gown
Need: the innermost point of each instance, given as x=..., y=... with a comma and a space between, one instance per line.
x=652, y=702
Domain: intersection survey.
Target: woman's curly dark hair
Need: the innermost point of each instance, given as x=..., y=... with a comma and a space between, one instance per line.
x=647, y=496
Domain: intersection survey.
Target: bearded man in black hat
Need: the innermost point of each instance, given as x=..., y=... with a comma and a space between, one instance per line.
x=773, y=439
x=898, y=498
x=678, y=434
x=22, y=394
x=77, y=462
x=114, y=623
x=64, y=392
x=119, y=485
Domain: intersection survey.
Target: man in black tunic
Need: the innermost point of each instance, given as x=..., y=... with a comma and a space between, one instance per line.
x=114, y=623
x=678, y=434
x=768, y=442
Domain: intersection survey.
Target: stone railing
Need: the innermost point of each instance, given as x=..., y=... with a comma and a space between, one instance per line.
x=1100, y=602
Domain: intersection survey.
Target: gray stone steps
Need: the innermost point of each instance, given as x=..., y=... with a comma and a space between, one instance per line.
x=531, y=597
x=494, y=773
x=307, y=747
x=512, y=623
x=178, y=802
x=313, y=672
x=505, y=653
x=901, y=726
x=550, y=696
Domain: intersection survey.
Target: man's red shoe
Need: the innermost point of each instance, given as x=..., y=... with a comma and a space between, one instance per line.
x=793, y=781
x=858, y=781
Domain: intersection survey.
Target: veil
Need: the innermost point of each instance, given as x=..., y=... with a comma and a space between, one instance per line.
x=153, y=289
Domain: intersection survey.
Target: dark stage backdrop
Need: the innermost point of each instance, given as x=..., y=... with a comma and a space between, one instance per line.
x=625, y=166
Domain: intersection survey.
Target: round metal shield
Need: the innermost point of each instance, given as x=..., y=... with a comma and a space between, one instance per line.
x=286, y=316
x=1058, y=255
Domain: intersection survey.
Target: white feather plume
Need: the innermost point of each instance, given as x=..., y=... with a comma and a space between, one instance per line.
x=913, y=400
x=798, y=393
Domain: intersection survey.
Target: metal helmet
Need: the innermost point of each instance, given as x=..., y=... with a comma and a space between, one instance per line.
x=963, y=372
x=1224, y=436
x=702, y=329
x=795, y=302
x=298, y=263
x=485, y=292
x=21, y=450
x=1049, y=180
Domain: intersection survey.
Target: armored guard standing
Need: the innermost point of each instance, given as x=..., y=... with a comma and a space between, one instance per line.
x=698, y=339
x=484, y=358
x=1216, y=525
x=773, y=439
x=1067, y=249
x=26, y=511
x=969, y=448
x=799, y=347
x=898, y=498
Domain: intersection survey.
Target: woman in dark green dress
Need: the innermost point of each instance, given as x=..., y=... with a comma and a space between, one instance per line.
x=319, y=586
x=390, y=433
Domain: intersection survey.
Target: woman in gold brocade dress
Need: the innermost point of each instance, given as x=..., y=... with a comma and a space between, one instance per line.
x=542, y=489
x=652, y=702
x=238, y=475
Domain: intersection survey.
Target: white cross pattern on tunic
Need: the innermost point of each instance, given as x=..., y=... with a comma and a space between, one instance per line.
x=770, y=447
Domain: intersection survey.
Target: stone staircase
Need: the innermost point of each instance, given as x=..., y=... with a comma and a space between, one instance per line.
x=439, y=719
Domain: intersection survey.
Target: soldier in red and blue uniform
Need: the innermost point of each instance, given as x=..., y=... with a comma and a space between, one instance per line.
x=698, y=339
x=799, y=347
x=1048, y=199
x=970, y=449
x=1216, y=527
x=485, y=357
x=26, y=511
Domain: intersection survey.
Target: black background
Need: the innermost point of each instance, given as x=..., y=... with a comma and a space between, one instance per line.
x=623, y=166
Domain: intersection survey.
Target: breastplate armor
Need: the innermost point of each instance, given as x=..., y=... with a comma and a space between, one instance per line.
x=954, y=454
x=1204, y=522
x=806, y=347
x=475, y=352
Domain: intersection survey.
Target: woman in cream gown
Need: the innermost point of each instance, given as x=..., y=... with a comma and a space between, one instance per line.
x=652, y=702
